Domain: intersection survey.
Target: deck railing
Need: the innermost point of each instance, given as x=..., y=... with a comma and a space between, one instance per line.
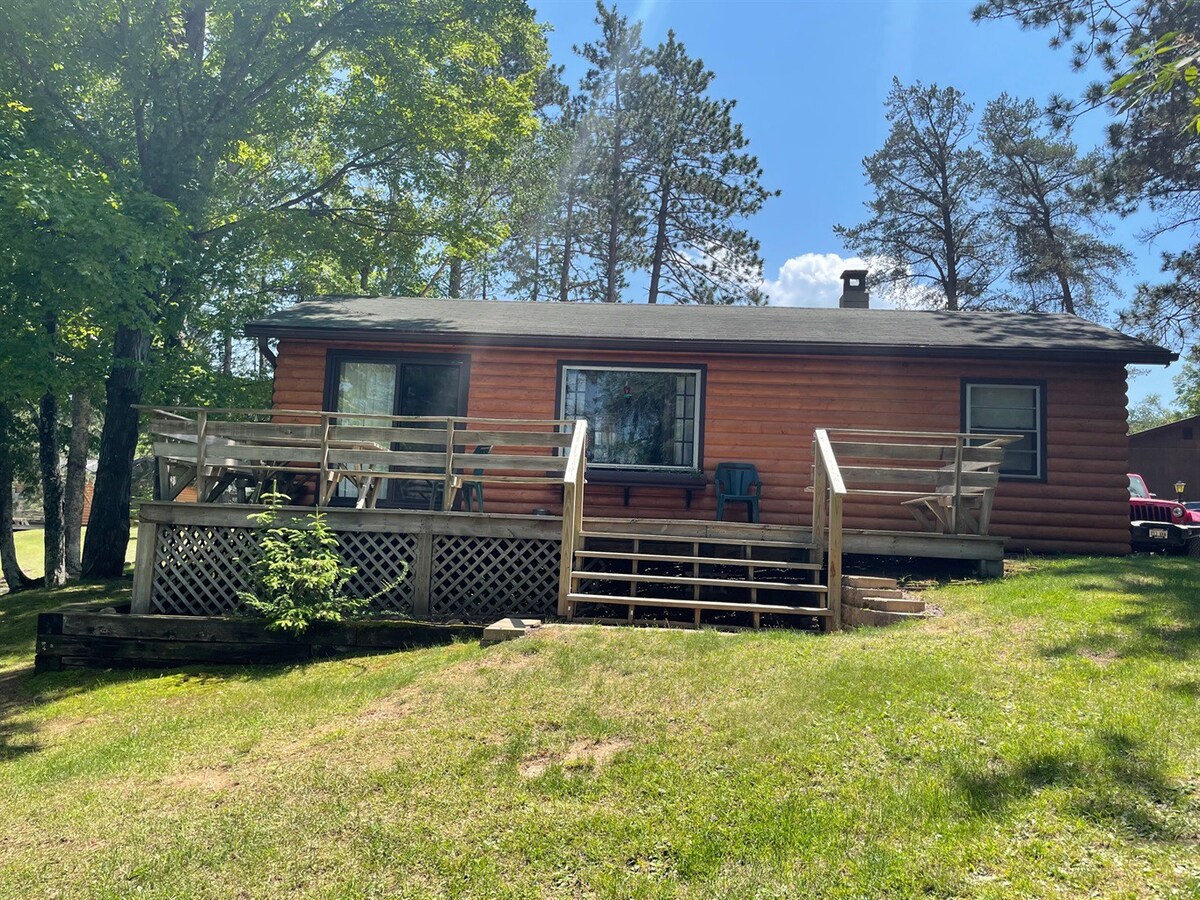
x=829, y=490
x=573, y=481
x=221, y=449
x=947, y=480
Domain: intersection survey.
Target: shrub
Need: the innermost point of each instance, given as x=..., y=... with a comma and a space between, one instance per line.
x=300, y=578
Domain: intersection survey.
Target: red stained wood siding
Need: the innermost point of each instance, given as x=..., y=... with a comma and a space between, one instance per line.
x=763, y=409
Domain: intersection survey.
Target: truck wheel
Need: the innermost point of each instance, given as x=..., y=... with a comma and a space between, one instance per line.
x=1193, y=547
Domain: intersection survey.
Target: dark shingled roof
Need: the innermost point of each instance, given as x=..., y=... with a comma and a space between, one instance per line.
x=729, y=329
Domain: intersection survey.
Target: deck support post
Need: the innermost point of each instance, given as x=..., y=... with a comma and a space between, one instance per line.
x=422, y=574
x=143, y=567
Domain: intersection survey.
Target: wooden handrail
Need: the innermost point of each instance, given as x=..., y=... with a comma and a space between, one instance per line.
x=573, y=481
x=176, y=410
x=829, y=490
x=829, y=461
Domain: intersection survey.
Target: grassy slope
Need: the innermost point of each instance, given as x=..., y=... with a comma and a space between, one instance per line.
x=1042, y=739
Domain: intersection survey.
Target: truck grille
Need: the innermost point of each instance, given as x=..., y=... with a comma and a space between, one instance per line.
x=1149, y=512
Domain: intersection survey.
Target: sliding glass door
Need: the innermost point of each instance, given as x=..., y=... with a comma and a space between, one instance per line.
x=399, y=385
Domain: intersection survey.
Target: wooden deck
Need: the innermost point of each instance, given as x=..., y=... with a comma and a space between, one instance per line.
x=194, y=558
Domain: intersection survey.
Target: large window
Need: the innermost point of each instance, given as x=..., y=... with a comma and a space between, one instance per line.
x=1009, y=409
x=640, y=418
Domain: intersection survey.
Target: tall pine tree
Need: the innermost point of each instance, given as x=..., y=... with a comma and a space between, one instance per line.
x=701, y=184
x=613, y=233
x=929, y=225
x=1038, y=182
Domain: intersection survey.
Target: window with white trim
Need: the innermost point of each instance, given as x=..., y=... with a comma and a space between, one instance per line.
x=1009, y=409
x=640, y=418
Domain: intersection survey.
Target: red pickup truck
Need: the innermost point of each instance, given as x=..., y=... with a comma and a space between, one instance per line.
x=1161, y=524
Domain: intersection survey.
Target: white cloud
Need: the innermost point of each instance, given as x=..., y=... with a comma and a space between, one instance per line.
x=812, y=279
x=815, y=279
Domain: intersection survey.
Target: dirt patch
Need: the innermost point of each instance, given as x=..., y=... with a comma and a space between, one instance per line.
x=56, y=728
x=1100, y=657
x=207, y=779
x=585, y=754
x=399, y=705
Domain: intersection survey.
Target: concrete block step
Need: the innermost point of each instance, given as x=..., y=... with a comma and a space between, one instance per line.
x=868, y=581
x=507, y=630
x=894, y=593
x=891, y=604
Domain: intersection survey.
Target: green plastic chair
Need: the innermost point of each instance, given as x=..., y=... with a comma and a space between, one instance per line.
x=738, y=482
x=472, y=491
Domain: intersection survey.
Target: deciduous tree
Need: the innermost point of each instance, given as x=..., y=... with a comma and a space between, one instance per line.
x=281, y=116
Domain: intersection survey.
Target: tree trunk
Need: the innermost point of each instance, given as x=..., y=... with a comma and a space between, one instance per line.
x=614, y=202
x=77, y=448
x=660, y=240
x=9, y=564
x=564, y=274
x=108, y=526
x=1068, y=302
x=227, y=353
x=456, y=276
x=54, y=535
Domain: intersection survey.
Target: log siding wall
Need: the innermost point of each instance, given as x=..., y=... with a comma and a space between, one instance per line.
x=763, y=409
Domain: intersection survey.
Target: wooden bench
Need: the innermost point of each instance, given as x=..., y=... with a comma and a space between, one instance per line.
x=688, y=482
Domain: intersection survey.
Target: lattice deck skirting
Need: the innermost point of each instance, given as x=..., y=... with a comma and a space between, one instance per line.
x=194, y=558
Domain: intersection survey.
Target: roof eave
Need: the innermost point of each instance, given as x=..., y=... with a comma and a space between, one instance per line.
x=1141, y=356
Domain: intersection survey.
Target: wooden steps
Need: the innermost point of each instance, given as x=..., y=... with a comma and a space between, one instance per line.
x=688, y=539
x=702, y=560
x=691, y=561
x=747, y=583
x=874, y=601
x=760, y=608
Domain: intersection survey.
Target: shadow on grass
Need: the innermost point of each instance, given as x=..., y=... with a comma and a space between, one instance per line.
x=1160, y=619
x=1121, y=784
x=21, y=690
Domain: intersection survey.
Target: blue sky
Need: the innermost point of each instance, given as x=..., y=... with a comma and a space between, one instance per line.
x=810, y=79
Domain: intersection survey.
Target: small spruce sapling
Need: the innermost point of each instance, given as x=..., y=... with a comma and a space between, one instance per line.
x=300, y=578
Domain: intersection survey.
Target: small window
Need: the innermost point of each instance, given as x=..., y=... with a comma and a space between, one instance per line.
x=639, y=418
x=1009, y=409
x=1188, y=434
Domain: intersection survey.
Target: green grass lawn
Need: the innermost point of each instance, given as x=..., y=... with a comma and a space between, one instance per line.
x=1042, y=739
x=30, y=550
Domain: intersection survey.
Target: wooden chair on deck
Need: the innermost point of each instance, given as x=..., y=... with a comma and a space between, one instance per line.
x=471, y=492
x=936, y=511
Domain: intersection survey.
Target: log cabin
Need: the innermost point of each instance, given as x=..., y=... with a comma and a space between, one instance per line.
x=706, y=385
x=587, y=460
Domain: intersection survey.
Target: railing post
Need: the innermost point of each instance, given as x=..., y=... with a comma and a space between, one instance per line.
x=820, y=498
x=566, y=560
x=834, y=569
x=201, y=454
x=956, y=509
x=572, y=513
x=449, y=481
x=324, y=488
